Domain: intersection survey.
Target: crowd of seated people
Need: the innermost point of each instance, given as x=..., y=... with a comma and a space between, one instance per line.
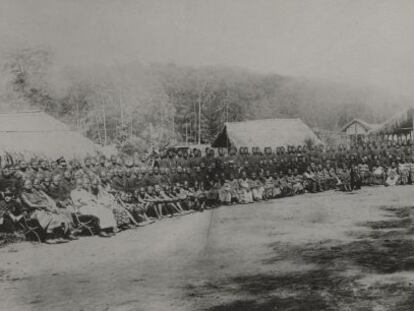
x=56, y=201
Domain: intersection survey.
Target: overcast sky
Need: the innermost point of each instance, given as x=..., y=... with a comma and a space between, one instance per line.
x=357, y=41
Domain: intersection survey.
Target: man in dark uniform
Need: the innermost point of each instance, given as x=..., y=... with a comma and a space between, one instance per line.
x=196, y=159
x=186, y=159
x=9, y=180
x=67, y=182
x=61, y=168
x=221, y=158
x=101, y=166
x=10, y=212
x=118, y=181
x=232, y=156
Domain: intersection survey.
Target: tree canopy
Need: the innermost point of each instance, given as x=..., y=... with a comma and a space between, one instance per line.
x=135, y=104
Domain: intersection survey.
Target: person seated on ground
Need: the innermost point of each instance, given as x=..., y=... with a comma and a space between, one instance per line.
x=185, y=194
x=172, y=197
x=297, y=186
x=62, y=199
x=60, y=191
x=118, y=181
x=300, y=179
x=87, y=204
x=323, y=177
x=393, y=177
x=378, y=174
x=311, y=181
x=44, y=183
x=344, y=175
x=11, y=213
x=356, y=181
x=410, y=165
x=364, y=172
x=213, y=194
x=245, y=193
x=43, y=209
x=67, y=183
x=123, y=218
x=403, y=171
x=337, y=173
x=332, y=177
x=211, y=190
x=285, y=185
x=141, y=206
x=225, y=193
x=153, y=202
x=130, y=181
x=277, y=192
x=256, y=187
x=191, y=198
x=161, y=200
x=267, y=181
x=320, y=178
x=126, y=201
x=199, y=197
x=59, y=194
x=234, y=188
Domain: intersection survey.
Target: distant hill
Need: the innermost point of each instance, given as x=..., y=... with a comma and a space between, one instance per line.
x=331, y=105
x=160, y=102
x=236, y=94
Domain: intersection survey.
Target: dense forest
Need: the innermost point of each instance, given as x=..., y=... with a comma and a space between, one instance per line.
x=135, y=105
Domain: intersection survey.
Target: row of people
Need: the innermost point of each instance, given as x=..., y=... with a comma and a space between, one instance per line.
x=106, y=195
x=384, y=151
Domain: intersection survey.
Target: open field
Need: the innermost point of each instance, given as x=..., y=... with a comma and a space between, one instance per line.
x=327, y=251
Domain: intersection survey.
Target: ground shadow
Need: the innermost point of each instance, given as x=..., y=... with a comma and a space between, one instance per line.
x=310, y=290
x=330, y=286
x=290, y=303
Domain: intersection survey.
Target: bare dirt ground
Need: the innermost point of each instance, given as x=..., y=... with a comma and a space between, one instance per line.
x=327, y=251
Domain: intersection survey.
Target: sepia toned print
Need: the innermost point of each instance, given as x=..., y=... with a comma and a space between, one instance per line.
x=226, y=155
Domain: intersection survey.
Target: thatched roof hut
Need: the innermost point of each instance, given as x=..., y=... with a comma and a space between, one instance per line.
x=265, y=133
x=28, y=134
x=359, y=127
x=400, y=124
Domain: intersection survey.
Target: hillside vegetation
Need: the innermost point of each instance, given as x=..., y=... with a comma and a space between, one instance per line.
x=146, y=104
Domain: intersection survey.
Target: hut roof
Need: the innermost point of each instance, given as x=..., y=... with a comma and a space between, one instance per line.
x=265, y=133
x=367, y=126
x=37, y=133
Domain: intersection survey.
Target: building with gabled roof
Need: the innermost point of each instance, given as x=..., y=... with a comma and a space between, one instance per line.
x=35, y=133
x=265, y=133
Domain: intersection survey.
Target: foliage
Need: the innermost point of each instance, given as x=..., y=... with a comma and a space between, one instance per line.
x=156, y=104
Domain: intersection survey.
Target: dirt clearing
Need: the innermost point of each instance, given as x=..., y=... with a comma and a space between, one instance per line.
x=327, y=251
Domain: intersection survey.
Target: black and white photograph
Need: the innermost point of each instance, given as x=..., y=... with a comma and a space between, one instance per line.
x=206, y=155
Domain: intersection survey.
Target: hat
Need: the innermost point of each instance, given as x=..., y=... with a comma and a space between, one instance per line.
x=8, y=192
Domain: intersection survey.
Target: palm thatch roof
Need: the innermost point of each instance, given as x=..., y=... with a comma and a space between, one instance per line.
x=265, y=133
x=28, y=134
x=367, y=126
x=400, y=123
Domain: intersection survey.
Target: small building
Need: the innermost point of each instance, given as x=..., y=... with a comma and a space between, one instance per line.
x=265, y=133
x=358, y=127
x=357, y=130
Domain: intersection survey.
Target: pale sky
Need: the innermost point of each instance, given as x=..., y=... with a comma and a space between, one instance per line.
x=356, y=41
